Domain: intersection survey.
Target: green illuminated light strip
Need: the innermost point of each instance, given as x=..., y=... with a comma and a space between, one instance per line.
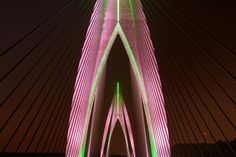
x=118, y=30
x=100, y=66
x=141, y=85
x=118, y=10
x=92, y=92
x=115, y=119
x=132, y=59
x=153, y=148
x=104, y=10
x=131, y=5
x=117, y=96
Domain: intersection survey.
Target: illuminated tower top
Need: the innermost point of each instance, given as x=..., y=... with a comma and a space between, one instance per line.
x=111, y=18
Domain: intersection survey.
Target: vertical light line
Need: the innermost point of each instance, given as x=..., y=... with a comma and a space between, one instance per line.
x=131, y=4
x=118, y=96
x=118, y=10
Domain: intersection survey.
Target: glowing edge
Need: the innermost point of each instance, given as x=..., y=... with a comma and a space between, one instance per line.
x=121, y=118
x=117, y=119
x=131, y=4
x=117, y=95
x=141, y=86
x=118, y=10
x=91, y=97
x=118, y=30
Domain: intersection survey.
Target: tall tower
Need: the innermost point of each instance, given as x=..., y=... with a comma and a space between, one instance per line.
x=112, y=18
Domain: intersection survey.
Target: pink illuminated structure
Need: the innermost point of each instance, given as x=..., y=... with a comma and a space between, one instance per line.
x=111, y=18
x=118, y=113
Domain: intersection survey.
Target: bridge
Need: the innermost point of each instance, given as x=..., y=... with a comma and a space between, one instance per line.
x=118, y=78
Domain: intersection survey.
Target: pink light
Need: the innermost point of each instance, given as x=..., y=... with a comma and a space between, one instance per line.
x=117, y=113
x=136, y=38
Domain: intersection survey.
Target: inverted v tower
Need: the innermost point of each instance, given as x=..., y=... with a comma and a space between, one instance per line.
x=111, y=18
x=117, y=114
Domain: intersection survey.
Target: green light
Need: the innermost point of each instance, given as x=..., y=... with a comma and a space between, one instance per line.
x=117, y=96
x=141, y=85
x=118, y=10
x=118, y=106
x=82, y=149
x=118, y=91
x=104, y=10
x=133, y=61
x=131, y=5
x=153, y=149
x=118, y=30
x=100, y=67
x=92, y=92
